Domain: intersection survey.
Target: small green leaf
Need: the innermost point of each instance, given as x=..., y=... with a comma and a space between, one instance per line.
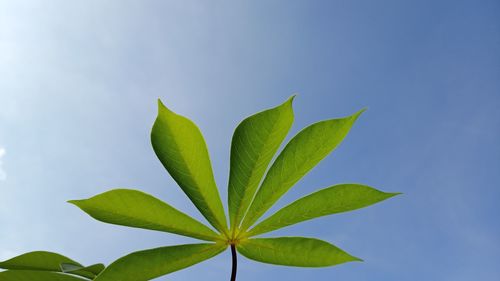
x=137, y=209
x=299, y=156
x=254, y=143
x=33, y=275
x=180, y=146
x=331, y=200
x=294, y=251
x=38, y=260
x=48, y=261
x=149, y=264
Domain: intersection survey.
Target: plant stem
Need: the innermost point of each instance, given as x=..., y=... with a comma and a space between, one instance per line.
x=235, y=262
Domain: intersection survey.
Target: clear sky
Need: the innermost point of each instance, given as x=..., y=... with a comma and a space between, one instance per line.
x=78, y=87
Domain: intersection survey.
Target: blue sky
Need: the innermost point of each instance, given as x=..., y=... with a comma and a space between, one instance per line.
x=78, y=87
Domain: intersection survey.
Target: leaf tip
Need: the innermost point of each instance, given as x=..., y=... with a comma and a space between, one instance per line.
x=359, y=112
x=161, y=106
x=288, y=102
x=74, y=202
x=356, y=259
x=392, y=194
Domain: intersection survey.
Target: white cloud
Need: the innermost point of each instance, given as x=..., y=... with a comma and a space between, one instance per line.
x=3, y=175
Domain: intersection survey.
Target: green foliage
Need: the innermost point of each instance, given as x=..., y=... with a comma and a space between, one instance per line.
x=299, y=156
x=180, y=146
x=46, y=266
x=34, y=275
x=138, y=209
x=149, y=264
x=254, y=143
x=294, y=251
x=332, y=200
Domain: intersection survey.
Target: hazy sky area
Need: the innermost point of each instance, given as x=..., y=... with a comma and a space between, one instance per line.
x=78, y=87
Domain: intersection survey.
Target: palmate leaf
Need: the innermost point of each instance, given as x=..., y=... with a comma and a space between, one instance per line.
x=294, y=251
x=331, y=200
x=254, y=143
x=149, y=264
x=300, y=155
x=48, y=261
x=34, y=275
x=179, y=145
x=138, y=209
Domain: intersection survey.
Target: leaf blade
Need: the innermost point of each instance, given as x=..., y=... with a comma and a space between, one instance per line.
x=33, y=275
x=254, y=143
x=294, y=251
x=50, y=262
x=180, y=147
x=300, y=155
x=152, y=263
x=332, y=200
x=135, y=208
x=37, y=260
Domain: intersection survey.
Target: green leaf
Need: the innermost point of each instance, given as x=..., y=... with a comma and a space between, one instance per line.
x=138, y=209
x=38, y=260
x=149, y=264
x=331, y=200
x=88, y=271
x=180, y=146
x=32, y=275
x=48, y=261
x=294, y=251
x=254, y=143
x=299, y=156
